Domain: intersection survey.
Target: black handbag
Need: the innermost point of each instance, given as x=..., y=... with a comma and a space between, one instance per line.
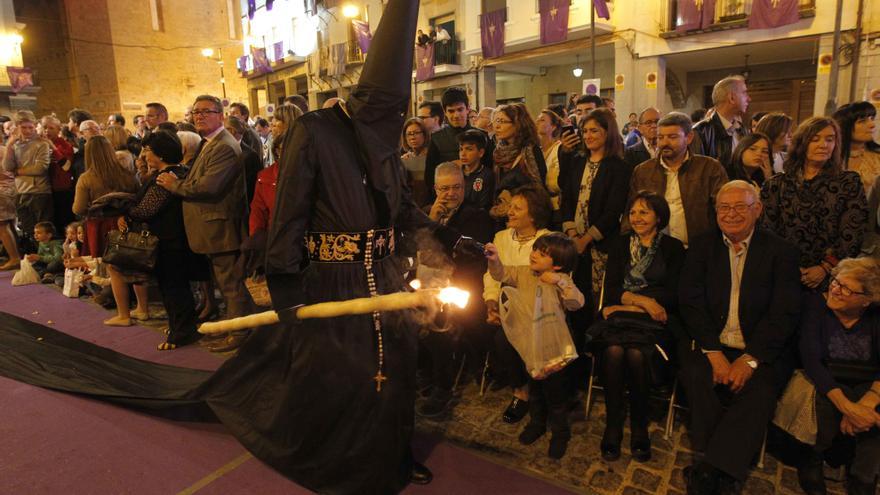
x=131, y=250
x=625, y=328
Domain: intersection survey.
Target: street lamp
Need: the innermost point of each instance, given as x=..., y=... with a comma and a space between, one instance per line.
x=577, y=71
x=209, y=54
x=350, y=10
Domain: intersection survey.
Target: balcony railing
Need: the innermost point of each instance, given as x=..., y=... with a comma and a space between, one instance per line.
x=729, y=14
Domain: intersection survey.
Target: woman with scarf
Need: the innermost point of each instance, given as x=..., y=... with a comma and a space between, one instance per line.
x=640, y=296
x=518, y=158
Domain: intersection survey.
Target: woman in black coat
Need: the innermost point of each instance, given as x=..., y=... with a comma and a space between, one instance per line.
x=639, y=298
x=161, y=214
x=594, y=185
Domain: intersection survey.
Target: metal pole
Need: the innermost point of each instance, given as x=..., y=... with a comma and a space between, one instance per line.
x=592, y=40
x=854, y=78
x=222, y=77
x=831, y=103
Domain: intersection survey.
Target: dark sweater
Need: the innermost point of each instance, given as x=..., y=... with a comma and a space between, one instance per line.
x=817, y=327
x=661, y=275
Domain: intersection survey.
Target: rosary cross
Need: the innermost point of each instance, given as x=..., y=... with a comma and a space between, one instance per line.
x=379, y=378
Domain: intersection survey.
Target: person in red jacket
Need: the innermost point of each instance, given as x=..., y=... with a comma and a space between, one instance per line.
x=263, y=203
x=60, y=172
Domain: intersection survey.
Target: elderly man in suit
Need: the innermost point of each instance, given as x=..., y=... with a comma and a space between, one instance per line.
x=739, y=298
x=646, y=147
x=215, y=207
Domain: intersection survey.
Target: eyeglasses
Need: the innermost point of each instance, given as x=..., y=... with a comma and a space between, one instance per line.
x=423, y=117
x=196, y=113
x=844, y=290
x=414, y=133
x=650, y=122
x=501, y=121
x=740, y=208
x=446, y=189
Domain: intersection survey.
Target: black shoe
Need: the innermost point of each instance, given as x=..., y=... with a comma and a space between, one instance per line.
x=701, y=479
x=641, y=449
x=558, y=445
x=640, y=444
x=516, y=411
x=436, y=403
x=532, y=432
x=610, y=451
x=811, y=477
x=855, y=486
x=419, y=474
x=610, y=445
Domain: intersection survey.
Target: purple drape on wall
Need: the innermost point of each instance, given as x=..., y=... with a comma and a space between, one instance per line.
x=20, y=78
x=773, y=13
x=695, y=14
x=492, y=33
x=601, y=9
x=554, y=20
x=278, y=48
x=364, y=36
x=424, y=62
x=261, y=61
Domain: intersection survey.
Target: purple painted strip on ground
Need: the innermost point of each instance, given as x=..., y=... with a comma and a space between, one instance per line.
x=60, y=443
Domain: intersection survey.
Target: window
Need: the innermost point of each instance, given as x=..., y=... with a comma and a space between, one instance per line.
x=493, y=5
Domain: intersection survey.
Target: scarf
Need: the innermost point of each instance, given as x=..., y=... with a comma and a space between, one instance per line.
x=640, y=258
x=508, y=155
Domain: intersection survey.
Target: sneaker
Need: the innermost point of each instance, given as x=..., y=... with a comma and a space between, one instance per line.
x=436, y=404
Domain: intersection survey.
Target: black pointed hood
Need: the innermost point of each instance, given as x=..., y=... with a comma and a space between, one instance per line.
x=379, y=102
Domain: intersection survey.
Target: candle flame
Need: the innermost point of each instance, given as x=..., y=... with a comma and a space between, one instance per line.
x=454, y=295
x=416, y=284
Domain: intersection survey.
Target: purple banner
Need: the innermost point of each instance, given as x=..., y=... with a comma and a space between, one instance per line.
x=242, y=63
x=601, y=9
x=695, y=14
x=269, y=4
x=554, y=20
x=492, y=33
x=20, y=78
x=279, y=51
x=425, y=62
x=261, y=62
x=252, y=8
x=364, y=36
x=768, y=14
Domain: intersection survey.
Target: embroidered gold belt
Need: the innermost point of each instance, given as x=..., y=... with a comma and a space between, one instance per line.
x=349, y=247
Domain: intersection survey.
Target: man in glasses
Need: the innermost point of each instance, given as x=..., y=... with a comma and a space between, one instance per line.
x=451, y=210
x=431, y=114
x=739, y=299
x=215, y=209
x=645, y=147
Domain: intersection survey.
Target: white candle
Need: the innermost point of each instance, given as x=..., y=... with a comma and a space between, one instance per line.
x=364, y=305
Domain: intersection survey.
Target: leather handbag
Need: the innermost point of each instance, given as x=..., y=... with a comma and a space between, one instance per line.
x=129, y=250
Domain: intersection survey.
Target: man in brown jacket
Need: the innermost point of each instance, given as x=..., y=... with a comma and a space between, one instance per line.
x=215, y=207
x=688, y=182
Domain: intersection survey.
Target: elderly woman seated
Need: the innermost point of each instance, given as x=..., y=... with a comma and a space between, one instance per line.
x=840, y=349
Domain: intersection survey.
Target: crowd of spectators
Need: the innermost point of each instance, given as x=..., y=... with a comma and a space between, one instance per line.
x=726, y=252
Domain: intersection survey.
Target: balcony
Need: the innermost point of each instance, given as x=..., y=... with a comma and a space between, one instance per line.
x=729, y=14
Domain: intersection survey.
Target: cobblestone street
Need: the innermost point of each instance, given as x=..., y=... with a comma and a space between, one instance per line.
x=475, y=423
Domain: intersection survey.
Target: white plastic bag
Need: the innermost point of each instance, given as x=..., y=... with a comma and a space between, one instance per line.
x=537, y=331
x=72, y=282
x=26, y=275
